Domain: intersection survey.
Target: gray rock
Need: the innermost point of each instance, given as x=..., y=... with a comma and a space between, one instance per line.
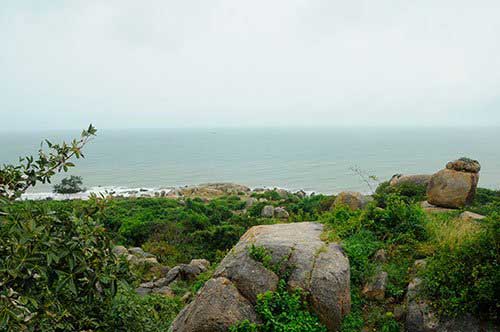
x=120, y=251
x=467, y=216
x=149, y=284
x=419, y=317
x=216, y=307
x=143, y=291
x=375, y=288
x=281, y=213
x=201, y=264
x=161, y=282
x=250, y=202
x=267, y=211
x=189, y=272
x=172, y=275
x=353, y=200
x=165, y=291
x=427, y=207
x=137, y=252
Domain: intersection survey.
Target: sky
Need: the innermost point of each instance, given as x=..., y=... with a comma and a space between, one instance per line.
x=218, y=63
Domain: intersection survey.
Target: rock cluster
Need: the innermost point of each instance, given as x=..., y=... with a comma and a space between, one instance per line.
x=135, y=255
x=138, y=257
x=353, y=200
x=270, y=211
x=185, y=272
x=209, y=190
x=321, y=269
x=455, y=186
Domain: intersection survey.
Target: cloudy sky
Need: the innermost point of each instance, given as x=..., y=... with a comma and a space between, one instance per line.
x=191, y=63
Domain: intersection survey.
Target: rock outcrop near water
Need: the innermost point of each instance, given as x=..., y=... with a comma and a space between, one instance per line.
x=353, y=200
x=455, y=186
x=321, y=269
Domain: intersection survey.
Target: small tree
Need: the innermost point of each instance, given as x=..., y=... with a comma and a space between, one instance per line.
x=70, y=185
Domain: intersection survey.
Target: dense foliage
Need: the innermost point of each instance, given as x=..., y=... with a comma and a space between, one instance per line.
x=57, y=273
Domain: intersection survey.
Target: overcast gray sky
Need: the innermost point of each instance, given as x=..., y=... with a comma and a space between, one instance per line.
x=164, y=63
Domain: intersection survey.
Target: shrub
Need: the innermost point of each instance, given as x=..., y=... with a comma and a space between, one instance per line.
x=69, y=185
x=131, y=312
x=466, y=278
x=57, y=273
x=359, y=248
x=282, y=311
x=411, y=192
x=399, y=222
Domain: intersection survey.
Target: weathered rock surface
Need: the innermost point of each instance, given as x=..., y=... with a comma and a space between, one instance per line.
x=375, y=288
x=464, y=165
x=267, y=211
x=321, y=269
x=216, y=307
x=419, y=317
x=281, y=213
x=427, y=207
x=452, y=189
x=353, y=200
x=467, y=216
x=419, y=179
x=120, y=251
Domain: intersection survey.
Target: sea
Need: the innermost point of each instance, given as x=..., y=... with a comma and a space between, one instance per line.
x=321, y=160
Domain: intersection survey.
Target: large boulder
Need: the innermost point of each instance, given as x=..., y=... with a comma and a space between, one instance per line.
x=452, y=189
x=353, y=200
x=320, y=269
x=420, y=179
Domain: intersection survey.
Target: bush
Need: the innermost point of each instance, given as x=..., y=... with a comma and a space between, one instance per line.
x=359, y=248
x=399, y=222
x=282, y=311
x=411, y=192
x=70, y=185
x=466, y=278
x=58, y=273
x=131, y=312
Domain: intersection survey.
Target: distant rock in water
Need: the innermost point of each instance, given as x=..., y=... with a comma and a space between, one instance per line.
x=420, y=179
x=455, y=186
x=353, y=200
x=321, y=269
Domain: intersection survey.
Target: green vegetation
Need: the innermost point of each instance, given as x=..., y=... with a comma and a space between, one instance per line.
x=465, y=277
x=282, y=311
x=70, y=185
x=57, y=272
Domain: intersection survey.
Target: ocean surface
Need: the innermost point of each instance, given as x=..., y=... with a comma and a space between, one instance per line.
x=315, y=160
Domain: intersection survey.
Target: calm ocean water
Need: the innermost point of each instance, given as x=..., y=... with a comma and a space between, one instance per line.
x=316, y=159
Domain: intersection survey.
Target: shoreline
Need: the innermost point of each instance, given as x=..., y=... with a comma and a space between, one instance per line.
x=158, y=192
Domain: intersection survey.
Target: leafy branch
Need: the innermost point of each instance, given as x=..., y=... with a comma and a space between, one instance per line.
x=15, y=180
